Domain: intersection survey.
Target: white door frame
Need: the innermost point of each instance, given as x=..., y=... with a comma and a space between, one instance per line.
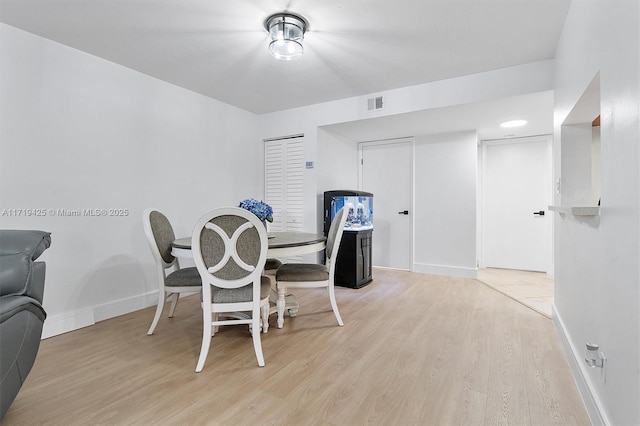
x=482, y=181
x=411, y=142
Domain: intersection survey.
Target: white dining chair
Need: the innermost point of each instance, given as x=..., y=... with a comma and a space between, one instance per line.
x=229, y=247
x=313, y=275
x=173, y=281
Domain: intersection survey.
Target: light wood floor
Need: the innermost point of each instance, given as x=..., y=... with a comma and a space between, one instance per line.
x=532, y=289
x=416, y=349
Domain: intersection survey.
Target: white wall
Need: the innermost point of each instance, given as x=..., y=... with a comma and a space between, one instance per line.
x=332, y=154
x=445, y=203
x=337, y=159
x=79, y=132
x=445, y=208
x=597, y=295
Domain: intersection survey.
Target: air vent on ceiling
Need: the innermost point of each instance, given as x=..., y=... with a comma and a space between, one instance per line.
x=375, y=103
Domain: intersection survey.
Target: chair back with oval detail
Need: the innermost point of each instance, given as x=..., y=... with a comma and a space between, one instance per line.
x=229, y=247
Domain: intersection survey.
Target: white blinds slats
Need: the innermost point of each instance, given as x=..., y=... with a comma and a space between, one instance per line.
x=284, y=183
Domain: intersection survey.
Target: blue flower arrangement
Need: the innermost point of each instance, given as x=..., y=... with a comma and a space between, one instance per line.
x=259, y=208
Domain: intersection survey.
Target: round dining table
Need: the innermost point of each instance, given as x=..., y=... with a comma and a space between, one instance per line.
x=281, y=244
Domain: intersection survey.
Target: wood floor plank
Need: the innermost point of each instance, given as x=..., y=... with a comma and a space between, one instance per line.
x=416, y=349
x=507, y=398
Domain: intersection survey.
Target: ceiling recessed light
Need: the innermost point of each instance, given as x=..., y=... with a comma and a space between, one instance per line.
x=513, y=123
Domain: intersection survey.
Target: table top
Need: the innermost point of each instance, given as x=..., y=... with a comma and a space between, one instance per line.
x=277, y=240
x=294, y=239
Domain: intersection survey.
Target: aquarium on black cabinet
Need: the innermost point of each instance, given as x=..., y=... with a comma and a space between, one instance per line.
x=358, y=207
x=353, y=264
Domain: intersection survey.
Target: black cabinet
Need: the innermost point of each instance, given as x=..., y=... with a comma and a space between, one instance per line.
x=353, y=264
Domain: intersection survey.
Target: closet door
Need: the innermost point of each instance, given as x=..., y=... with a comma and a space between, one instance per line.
x=284, y=182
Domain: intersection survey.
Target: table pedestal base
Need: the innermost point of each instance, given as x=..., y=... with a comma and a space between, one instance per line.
x=291, y=305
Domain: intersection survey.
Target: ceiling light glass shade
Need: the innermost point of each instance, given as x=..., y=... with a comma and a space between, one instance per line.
x=287, y=33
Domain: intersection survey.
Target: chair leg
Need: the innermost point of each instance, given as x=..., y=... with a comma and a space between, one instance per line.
x=265, y=317
x=334, y=305
x=280, y=304
x=174, y=302
x=215, y=328
x=159, y=308
x=206, y=339
x=257, y=343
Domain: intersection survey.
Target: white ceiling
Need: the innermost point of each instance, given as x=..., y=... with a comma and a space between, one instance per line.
x=353, y=47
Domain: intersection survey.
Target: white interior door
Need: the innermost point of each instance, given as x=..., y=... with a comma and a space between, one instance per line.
x=516, y=231
x=386, y=170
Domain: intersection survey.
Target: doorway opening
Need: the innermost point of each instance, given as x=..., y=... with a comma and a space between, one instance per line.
x=516, y=233
x=532, y=289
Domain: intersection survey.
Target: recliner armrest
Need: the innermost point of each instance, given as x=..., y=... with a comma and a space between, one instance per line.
x=36, y=287
x=15, y=273
x=32, y=242
x=11, y=305
x=21, y=277
x=19, y=274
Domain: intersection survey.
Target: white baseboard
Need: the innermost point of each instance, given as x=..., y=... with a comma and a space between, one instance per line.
x=452, y=271
x=64, y=323
x=575, y=358
x=60, y=324
x=125, y=306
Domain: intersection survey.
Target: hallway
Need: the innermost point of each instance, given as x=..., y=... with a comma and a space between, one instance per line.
x=532, y=289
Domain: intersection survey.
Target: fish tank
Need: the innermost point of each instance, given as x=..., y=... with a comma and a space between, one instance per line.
x=358, y=205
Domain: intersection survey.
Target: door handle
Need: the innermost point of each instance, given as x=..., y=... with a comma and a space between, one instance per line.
x=540, y=213
x=405, y=212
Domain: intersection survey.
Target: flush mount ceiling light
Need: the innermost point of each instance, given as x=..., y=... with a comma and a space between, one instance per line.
x=286, y=31
x=513, y=123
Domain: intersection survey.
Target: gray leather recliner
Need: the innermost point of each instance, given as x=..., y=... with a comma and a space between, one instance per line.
x=21, y=312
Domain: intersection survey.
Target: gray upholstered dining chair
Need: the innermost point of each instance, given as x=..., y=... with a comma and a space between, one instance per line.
x=172, y=280
x=312, y=275
x=229, y=247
